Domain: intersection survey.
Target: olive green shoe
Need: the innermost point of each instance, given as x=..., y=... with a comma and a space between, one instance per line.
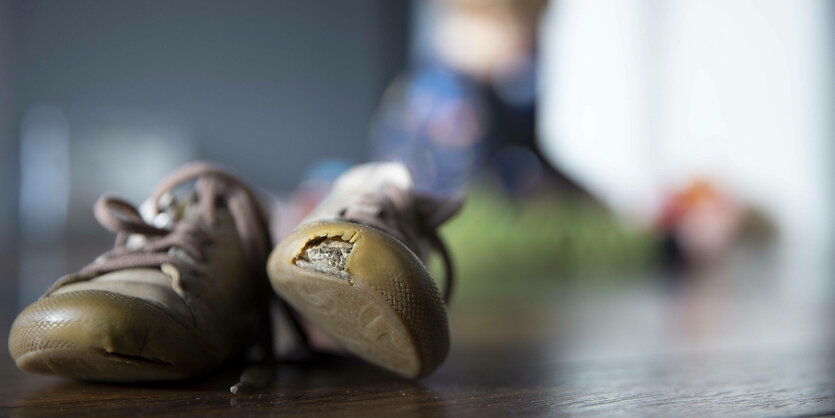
x=353, y=268
x=182, y=292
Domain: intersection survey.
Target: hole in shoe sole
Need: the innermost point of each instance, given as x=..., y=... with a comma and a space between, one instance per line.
x=327, y=255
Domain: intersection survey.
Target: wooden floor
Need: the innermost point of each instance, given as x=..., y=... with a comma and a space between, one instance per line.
x=640, y=350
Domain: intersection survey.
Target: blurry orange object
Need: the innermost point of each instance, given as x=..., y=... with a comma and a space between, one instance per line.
x=702, y=220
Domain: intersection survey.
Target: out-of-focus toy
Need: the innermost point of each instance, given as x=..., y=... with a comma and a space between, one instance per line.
x=701, y=222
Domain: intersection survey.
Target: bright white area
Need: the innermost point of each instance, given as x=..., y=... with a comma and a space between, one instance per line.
x=640, y=97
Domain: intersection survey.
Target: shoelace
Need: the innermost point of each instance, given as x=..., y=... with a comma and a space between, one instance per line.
x=411, y=217
x=213, y=184
x=124, y=219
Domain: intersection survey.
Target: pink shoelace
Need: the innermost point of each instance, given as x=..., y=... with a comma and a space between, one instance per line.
x=213, y=184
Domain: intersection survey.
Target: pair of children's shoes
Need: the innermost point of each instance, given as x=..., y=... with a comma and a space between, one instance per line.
x=186, y=288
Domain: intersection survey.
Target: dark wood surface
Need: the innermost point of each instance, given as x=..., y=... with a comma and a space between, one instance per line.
x=692, y=349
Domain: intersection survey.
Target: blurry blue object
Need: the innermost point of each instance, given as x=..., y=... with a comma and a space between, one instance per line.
x=519, y=170
x=519, y=89
x=435, y=122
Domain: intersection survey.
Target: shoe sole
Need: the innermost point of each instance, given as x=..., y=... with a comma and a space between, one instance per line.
x=384, y=307
x=103, y=336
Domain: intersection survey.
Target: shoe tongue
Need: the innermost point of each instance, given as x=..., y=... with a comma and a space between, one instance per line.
x=172, y=209
x=375, y=177
x=367, y=178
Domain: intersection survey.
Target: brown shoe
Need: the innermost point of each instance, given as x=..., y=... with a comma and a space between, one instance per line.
x=179, y=294
x=354, y=269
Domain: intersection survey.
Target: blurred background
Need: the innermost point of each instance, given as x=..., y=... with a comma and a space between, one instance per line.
x=661, y=172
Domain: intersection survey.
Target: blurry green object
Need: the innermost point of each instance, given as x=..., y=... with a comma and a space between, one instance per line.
x=499, y=240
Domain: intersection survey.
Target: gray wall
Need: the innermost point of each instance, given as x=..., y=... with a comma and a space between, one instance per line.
x=265, y=86
x=8, y=164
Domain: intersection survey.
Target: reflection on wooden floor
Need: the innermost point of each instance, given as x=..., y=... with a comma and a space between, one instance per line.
x=710, y=345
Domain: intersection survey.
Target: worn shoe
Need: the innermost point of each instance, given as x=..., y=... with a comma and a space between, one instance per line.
x=182, y=292
x=353, y=267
